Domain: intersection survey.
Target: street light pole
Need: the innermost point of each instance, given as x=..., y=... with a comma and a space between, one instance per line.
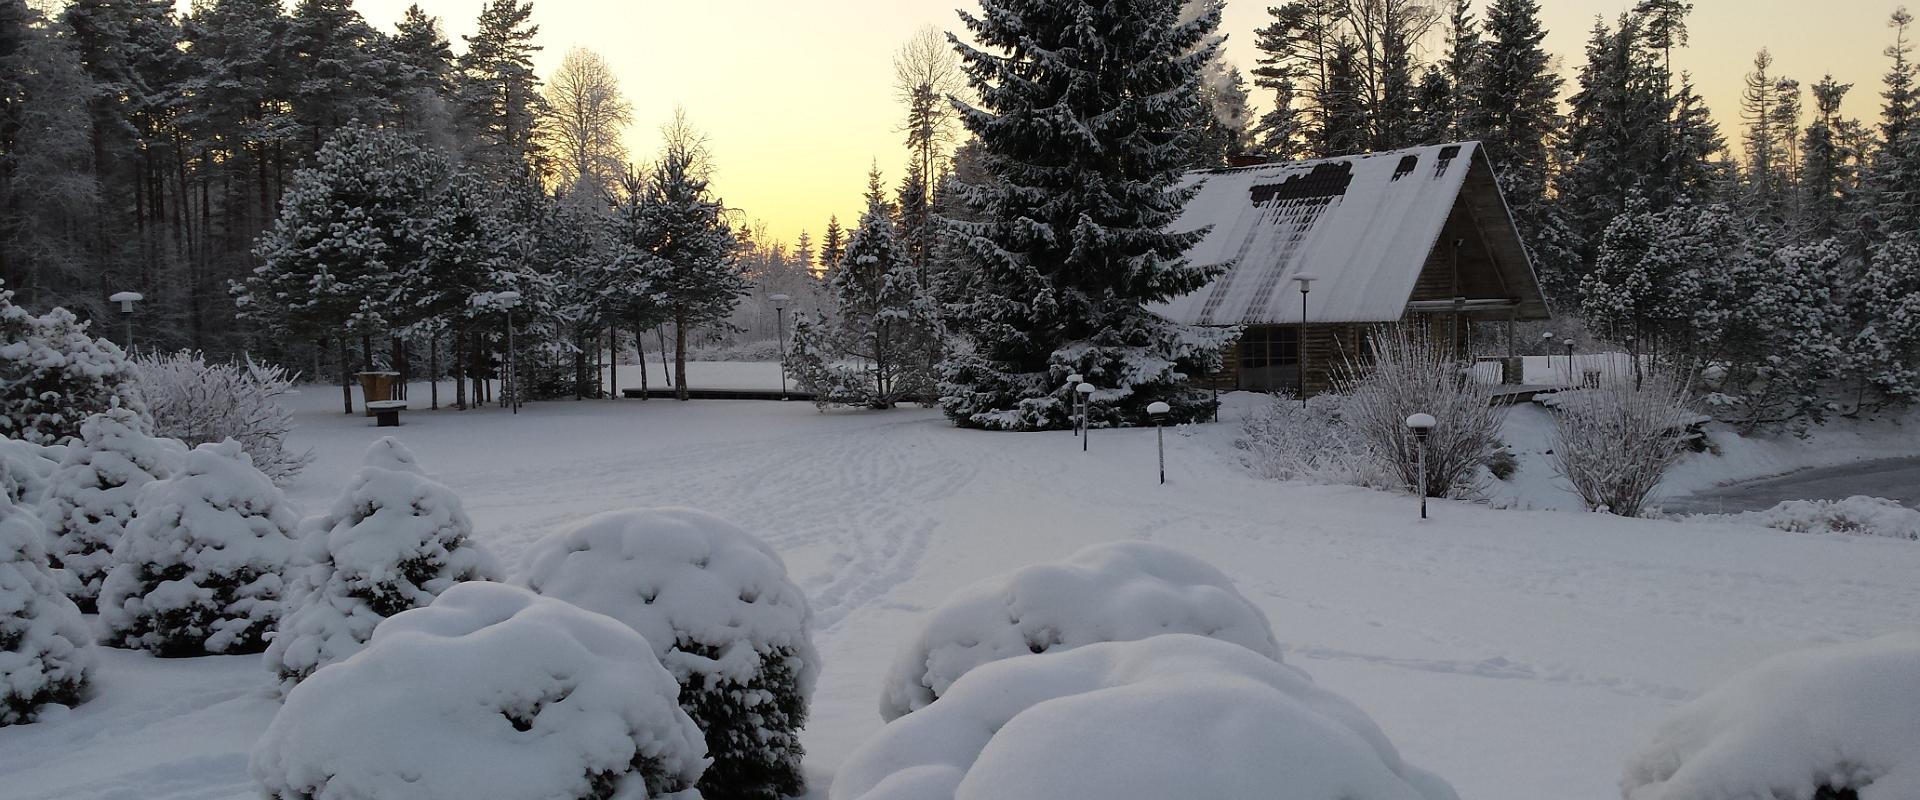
x=1306, y=285
x=1085, y=390
x=1158, y=411
x=1073, y=402
x=126, y=301
x=780, y=335
x=1421, y=425
x=1572, y=380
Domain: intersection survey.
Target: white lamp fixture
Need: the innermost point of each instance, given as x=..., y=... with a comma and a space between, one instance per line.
x=1421, y=424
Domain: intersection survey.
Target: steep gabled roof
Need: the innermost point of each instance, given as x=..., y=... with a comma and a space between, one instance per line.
x=1363, y=225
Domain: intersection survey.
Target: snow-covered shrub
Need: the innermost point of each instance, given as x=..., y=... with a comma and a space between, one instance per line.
x=90, y=497
x=1858, y=515
x=491, y=692
x=1616, y=441
x=53, y=375
x=45, y=654
x=1285, y=442
x=1172, y=716
x=197, y=403
x=1413, y=372
x=200, y=568
x=1831, y=722
x=722, y=616
x=394, y=540
x=1113, y=592
x=26, y=468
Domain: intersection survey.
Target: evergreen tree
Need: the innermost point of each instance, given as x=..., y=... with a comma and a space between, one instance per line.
x=1826, y=177
x=47, y=180
x=1465, y=58
x=1699, y=168
x=691, y=242
x=1296, y=54
x=1893, y=175
x=1514, y=110
x=1885, y=350
x=883, y=323
x=833, y=247
x=1434, y=109
x=1767, y=174
x=339, y=70
x=499, y=92
x=1081, y=110
x=426, y=69
x=1346, y=129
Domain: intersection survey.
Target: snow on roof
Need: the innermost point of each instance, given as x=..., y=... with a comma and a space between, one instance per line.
x=1361, y=225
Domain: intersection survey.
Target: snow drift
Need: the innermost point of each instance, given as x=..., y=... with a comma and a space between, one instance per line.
x=1112, y=592
x=394, y=540
x=1169, y=716
x=722, y=616
x=490, y=692
x=1833, y=718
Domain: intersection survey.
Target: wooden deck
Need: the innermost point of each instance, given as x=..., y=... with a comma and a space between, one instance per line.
x=717, y=394
x=1514, y=395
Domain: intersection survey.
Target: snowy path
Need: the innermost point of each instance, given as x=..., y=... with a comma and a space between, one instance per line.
x=1896, y=479
x=1519, y=654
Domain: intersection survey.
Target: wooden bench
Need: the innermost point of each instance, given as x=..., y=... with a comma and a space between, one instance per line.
x=386, y=413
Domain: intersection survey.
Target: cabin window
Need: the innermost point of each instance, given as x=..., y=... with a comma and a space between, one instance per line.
x=1269, y=358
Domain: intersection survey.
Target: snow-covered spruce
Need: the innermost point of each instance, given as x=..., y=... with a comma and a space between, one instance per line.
x=45, y=655
x=394, y=540
x=1170, y=716
x=90, y=497
x=1113, y=592
x=1810, y=724
x=493, y=692
x=724, y=618
x=200, y=568
x=25, y=468
x=53, y=375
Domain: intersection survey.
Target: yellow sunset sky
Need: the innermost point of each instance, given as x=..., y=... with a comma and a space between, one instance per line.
x=797, y=96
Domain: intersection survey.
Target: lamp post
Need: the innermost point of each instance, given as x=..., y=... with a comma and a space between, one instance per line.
x=1073, y=401
x=1158, y=410
x=507, y=300
x=1085, y=391
x=1421, y=425
x=1546, y=346
x=780, y=335
x=1306, y=285
x=126, y=301
x=1572, y=380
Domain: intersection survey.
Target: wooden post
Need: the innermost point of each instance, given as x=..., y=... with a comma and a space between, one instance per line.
x=640, y=347
x=433, y=369
x=613, y=361
x=346, y=375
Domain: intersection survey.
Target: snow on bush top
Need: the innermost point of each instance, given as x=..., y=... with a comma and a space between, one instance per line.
x=25, y=468
x=1112, y=592
x=90, y=497
x=1859, y=515
x=394, y=540
x=1841, y=717
x=679, y=575
x=491, y=692
x=1169, y=716
x=53, y=375
x=44, y=656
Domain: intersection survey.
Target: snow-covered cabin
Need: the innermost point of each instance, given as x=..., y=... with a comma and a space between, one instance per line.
x=1421, y=233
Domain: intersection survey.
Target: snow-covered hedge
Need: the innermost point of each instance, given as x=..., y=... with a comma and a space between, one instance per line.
x=1858, y=515
x=394, y=540
x=1171, y=716
x=1810, y=723
x=723, y=617
x=491, y=692
x=45, y=655
x=200, y=569
x=1285, y=441
x=197, y=403
x=53, y=375
x=90, y=497
x=1114, y=592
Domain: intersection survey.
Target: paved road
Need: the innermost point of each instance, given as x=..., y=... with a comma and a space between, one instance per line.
x=1892, y=478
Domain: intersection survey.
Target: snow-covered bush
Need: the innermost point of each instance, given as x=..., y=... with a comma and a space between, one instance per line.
x=53, y=375
x=1858, y=515
x=1172, y=716
x=394, y=540
x=1285, y=442
x=197, y=403
x=491, y=692
x=1831, y=722
x=1114, y=592
x=26, y=468
x=722, y=616
x=90, y=497
x=45, y=654
x=1616, y=441
x=200, y=568
x=1413, y=372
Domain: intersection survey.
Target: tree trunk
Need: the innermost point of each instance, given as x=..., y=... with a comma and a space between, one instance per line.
x=662, y=333
x=680, y=353
x=640, y=347
x=613, y=362
x=433, y=369
x=346, y=375
x=400, y=365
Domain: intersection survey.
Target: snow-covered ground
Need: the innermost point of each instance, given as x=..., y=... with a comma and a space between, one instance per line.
x=1518, y=654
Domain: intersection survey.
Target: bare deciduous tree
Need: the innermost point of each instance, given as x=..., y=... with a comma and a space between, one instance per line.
x=588, y=117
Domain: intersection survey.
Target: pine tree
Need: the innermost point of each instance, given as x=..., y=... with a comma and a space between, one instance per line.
x=691, y=242
x=1466, y=57
x=883, y=324
x=1296, y=53
x=833, y=247
x=499, y=92
x=339, y=69
x=1081, y=109
x=1892, y=204
x=1434, y=109
x=1826, y=177
x=1514, y=110
x=424, y=59
x=48, y=182
x=1346, y=129
x=1700, y=169
x=1766, y=173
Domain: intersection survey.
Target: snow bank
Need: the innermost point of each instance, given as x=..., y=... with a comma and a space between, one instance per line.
x=1170, y=716
x=90, y=497
x=722, y=616
x=199, y=569
x=394, y=540
x=490, y=692
x=1112, y=592
x=45, y=655
x=1868, y=516
x=1842, y=717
